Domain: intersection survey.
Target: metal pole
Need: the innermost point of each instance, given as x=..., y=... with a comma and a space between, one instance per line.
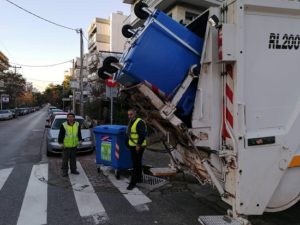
x=111, y=105
x=73, y=89
x=81, y=70
x=63, y=92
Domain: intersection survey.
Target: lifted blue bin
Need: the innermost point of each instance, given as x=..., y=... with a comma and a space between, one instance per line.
x=111, y=146
x=162, y=54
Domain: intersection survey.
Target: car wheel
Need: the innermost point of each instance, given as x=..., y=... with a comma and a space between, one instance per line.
x=48, y=153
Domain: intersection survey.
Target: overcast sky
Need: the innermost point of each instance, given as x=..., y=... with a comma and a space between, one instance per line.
x=27, y=40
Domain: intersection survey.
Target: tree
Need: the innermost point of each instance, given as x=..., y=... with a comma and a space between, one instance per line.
x=14, y=86
x=54, y=94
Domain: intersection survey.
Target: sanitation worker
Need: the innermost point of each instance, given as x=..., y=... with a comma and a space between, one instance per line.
x=69, y=137
x=136, y=135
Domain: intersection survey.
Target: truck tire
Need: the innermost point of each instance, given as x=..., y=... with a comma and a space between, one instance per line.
x=102, y=74
x=125, y=31
x=107, y=64
x=139, y=12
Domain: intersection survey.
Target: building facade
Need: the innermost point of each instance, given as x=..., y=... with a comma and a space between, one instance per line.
x=4, y=62
x=105, y=34
x=182, y=11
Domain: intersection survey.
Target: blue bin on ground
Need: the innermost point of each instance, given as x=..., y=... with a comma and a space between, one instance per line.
x=161, y=54
x=111, y=147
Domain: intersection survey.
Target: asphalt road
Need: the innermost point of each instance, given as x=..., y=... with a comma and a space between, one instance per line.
x=32, y=190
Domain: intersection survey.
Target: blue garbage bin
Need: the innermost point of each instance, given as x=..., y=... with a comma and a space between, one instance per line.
x=162, y=54
x=111, y=146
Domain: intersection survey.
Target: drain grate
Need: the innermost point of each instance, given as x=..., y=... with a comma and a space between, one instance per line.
x=151, y=182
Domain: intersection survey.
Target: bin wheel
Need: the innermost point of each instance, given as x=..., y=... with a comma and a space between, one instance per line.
x=107, y=64
x=117, y=174
x=102, y=74
x=139, y=12
x=126, y=31
x=98, y=170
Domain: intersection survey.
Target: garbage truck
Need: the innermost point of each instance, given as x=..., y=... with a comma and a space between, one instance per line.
x=224, y=92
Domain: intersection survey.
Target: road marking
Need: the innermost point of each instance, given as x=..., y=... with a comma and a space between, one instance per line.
x=135, y=197
x=4, y=174
x=87, y=200
x=34, y=207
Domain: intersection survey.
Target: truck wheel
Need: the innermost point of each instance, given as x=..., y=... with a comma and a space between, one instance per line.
x=107, y=64
x=139, y=12
x=102, y=74
x=126, y=31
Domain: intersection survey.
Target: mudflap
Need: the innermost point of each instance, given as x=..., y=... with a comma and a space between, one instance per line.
x=222, y=220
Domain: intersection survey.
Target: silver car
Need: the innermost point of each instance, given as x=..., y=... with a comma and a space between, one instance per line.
x=53, y=130
x=6, y=114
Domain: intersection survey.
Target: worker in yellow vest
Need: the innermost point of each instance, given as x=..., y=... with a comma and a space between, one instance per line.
x=136, y=134
x=69, y=137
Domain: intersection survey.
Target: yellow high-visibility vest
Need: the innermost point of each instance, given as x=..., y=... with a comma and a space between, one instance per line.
x=133, y=135
x=71, y=136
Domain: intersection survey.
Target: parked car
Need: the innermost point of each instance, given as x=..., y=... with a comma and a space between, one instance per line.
x=6, y=114
x=50, y=119
x=53, y=130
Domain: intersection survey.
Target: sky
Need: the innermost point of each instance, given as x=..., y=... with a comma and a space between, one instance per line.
x=28, y=40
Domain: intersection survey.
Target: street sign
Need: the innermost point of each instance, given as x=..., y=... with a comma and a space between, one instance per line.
x=110, y=82
x=5, y=99
x=74, y=84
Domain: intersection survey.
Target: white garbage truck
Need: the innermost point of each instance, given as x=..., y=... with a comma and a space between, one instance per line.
x=242, y=134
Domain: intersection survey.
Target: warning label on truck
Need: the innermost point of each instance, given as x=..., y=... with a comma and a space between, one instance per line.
x=284, y=41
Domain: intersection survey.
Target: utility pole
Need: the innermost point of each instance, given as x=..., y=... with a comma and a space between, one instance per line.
x=81, y=72
x=16, y=67
x=73, y=88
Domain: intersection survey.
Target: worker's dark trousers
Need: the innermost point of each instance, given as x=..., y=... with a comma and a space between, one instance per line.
x=69, y=154
x=136, y=157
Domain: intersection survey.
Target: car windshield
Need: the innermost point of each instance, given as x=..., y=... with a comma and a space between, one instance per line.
x=57, y=123
x=3, y=111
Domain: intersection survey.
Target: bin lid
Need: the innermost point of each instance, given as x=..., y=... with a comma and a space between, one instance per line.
x=110, y=129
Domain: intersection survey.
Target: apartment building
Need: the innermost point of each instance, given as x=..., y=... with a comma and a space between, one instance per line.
x=105, y=34
x=105, y=38
x=4, y=63
x=182, y=11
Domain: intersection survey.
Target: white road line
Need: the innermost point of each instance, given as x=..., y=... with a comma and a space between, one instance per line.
x=4, y=174
x=135, y=197
x=34, y=207
x=87, y=200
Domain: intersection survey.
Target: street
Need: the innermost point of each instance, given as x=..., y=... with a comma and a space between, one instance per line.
x=32, y=190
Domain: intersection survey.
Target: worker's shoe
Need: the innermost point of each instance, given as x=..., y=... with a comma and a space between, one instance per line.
x=75, y=172
x=130, y=186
